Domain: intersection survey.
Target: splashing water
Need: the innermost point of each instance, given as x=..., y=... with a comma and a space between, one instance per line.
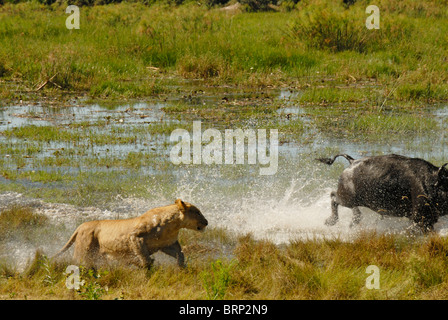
x=295, y=214
x=291, y=205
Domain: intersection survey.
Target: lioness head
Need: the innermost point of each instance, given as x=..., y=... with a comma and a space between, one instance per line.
x=193, y=218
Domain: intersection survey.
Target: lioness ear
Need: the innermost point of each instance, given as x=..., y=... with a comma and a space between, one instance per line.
x=181, y=205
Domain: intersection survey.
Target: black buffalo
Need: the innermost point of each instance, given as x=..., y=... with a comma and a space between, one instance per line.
x=392, y=185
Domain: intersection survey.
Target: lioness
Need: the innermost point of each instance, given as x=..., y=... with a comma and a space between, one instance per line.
x=134, y=240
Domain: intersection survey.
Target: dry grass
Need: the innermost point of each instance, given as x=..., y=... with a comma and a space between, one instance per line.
x=18, y=219
x=409, y=268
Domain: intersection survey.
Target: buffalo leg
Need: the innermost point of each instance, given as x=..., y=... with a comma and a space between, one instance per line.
x=356, y=217
x=423, y=215
x=334, y=210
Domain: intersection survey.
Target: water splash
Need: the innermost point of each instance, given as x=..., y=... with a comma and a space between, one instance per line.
x=295, y=214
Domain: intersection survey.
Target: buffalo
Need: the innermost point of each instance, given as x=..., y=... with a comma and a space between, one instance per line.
x=391, y=185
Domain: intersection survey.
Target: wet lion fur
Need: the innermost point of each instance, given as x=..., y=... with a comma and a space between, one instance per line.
x=134, y=240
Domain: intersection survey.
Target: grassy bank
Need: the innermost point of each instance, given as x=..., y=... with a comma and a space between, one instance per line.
x=409, y=268
x=132, y=50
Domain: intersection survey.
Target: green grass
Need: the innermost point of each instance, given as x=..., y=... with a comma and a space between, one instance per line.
x=59, y=134
x=381, y=124
x=217, y=280
x=371, y=122
x=130, y=50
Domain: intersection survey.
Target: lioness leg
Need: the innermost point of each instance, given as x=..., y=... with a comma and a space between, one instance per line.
x=140, y=250
x=86, y=249
x=175, y=250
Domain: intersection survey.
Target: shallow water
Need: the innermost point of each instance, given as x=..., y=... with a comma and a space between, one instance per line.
x=292, y=204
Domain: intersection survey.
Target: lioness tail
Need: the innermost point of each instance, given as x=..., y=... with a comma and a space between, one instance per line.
x=68, y=244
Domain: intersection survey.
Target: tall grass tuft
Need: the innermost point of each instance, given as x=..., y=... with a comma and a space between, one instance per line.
x=336, y=31
x=19, y=217
x=203, y=67
x=339, y=30
x=217, y=279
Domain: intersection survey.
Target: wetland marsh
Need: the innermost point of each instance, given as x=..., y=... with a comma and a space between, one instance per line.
x=100, y=156
x=99, y=146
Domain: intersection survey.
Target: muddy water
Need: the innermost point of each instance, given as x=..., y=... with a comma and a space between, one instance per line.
x=291, y=204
